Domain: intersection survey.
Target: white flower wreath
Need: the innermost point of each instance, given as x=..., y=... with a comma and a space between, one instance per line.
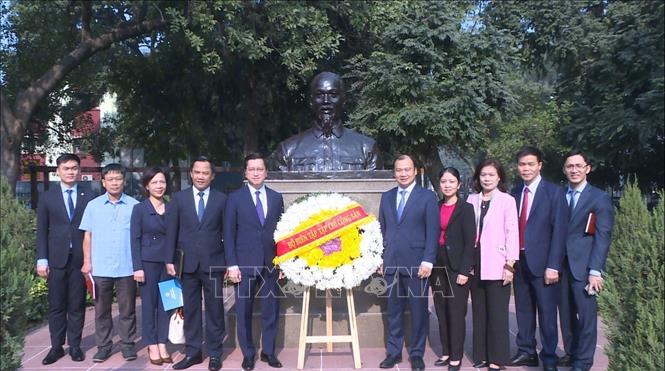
x=347, y=275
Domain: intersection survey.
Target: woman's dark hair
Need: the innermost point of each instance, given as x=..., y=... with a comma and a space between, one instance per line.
x=499, y=169
x=451, y=170
x=150, y=173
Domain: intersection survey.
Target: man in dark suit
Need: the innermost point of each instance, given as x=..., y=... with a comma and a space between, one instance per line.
x=194, y=225
x=541, y=229
x=250, y=220
x=588, y=238
x=409, y=219
x=60, y=256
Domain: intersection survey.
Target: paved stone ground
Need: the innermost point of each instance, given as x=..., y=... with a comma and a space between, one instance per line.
x=37, y=345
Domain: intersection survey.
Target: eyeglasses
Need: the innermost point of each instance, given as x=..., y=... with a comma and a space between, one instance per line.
x=576, y=166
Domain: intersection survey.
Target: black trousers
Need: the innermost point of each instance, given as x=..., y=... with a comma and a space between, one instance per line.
x=155, y=320
x=211, y=283
x=450, y=303
x=66, y=304
x=491, y=339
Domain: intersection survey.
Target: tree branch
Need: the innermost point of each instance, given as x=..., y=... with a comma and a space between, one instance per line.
x=26, y=101
x=86, y=16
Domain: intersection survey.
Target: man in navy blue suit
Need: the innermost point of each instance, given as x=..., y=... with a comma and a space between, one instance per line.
x=409, y=219
x=250, y=220
x=60, y=256
x=541, y=235
x=590, y=221
x=194, y=225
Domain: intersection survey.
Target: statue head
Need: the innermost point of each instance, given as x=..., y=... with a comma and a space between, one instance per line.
x=326, y=99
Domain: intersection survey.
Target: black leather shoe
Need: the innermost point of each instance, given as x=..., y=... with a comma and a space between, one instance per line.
x=417, y=364
x=188, y=362
x=53, y=355
x=481, y=364
x=565, y=361
x=550, y=368
x=214, y=364
x=523, y=359
x=248, y=363
x=390, y=362
x=77, y=354
x=271, y=359
x=456, y=367
x=441, y=362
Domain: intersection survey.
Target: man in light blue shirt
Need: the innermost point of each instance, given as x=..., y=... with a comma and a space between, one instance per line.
x=107, y=256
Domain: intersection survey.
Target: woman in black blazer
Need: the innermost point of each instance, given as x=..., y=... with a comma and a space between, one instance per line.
x=454, y=262
x=148, y=232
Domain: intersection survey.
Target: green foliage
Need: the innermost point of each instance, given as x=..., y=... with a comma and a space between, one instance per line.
x=38, y=306
x=608, y=61
x=431, y=81
x=17, y=257
x=535, y=120
x=226, y=78
x=632, y=305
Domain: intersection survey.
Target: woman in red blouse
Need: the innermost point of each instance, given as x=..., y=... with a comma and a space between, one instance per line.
x=454, y=261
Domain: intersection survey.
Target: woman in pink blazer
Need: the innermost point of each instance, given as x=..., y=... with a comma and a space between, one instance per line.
x=497, y=249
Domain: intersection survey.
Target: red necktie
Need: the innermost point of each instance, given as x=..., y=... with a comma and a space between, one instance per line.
x=523, y=212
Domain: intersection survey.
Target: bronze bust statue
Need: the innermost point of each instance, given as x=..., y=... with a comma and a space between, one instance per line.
x=327, y=145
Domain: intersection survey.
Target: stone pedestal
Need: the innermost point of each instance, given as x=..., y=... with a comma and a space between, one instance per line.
x=365, y=187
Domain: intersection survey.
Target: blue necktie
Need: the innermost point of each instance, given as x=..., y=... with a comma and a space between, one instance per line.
x=571, y=204
x=259, y=208
x=202, y=206
x=400, y=207
x=70, y=203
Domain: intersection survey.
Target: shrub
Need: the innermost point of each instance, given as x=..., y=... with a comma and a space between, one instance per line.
x=632, y=305
x=17, y=259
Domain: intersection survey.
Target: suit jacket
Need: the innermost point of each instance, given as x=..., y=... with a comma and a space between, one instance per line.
x=499, y=240
x=200, y=242
x=55, y=232
x=544, y=239
x=415, y=238
x=148, y=235
x=586, y=252
x=247, y=243
x=460, y=238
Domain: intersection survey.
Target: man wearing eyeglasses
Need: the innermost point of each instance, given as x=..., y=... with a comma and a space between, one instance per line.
x=590, y=220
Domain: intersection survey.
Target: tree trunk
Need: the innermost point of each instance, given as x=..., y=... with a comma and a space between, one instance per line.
x=12, y=130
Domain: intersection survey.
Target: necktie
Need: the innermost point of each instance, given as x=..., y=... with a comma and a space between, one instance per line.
x=70, y=204
x=400, y=207
x=571, y=204
x=523, y=216
x=202, y=206
x=259, y=208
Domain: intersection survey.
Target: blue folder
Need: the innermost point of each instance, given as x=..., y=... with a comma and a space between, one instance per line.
x=171, y=293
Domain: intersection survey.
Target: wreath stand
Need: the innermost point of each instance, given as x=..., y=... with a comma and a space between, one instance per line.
x=328, y=338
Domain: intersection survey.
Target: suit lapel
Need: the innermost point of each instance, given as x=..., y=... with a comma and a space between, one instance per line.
x=60, y=201
x=272, y=205
x=208, y=205
x=537, y=200
x=392, y=205
x=456, y=211
x=192, y=204
x=78, y=209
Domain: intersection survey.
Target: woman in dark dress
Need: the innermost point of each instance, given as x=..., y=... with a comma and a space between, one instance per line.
x=450, y=275
x=148, y=231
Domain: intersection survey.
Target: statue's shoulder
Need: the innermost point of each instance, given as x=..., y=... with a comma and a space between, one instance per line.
x=354, y=135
